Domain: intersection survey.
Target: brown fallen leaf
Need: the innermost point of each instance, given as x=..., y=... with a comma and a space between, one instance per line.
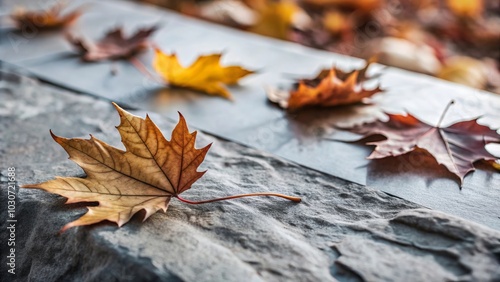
x=457, y=147
x=43, y=20
x=329, y=88
x=146, y=176
x=114, y=45
x=205, y=74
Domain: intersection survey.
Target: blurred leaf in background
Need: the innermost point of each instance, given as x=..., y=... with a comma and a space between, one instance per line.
x=456, y=40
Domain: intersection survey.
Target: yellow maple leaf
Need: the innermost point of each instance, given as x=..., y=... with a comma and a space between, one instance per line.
x=205, y=74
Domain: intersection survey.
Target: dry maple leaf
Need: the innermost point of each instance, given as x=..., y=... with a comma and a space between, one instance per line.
x=205, y=74
x=457, y=147
x=114, y=45
x=329, y=88
x=49, y=19
x=146, y=176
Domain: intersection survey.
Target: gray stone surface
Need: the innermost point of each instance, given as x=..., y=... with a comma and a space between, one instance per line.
x=340, y=232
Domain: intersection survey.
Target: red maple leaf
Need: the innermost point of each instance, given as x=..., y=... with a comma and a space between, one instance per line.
x=457, y=147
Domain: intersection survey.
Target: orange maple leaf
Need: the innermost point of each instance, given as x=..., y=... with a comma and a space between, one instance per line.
x=205, y=74
x=361, y=74
x=146, y=176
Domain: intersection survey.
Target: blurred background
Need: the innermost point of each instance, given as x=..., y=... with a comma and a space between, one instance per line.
x=456, y=40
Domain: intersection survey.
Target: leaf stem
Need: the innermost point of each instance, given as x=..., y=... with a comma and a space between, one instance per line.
x=444, y=112
x=291, y=198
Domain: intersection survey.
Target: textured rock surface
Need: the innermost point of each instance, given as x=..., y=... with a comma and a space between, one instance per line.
x=340, y=231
